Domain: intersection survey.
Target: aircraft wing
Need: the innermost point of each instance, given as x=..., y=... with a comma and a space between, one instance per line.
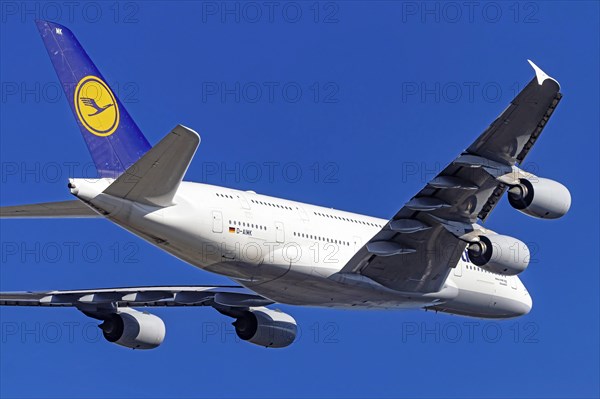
x=95, y=300
x=416, y=250
x=64, y=209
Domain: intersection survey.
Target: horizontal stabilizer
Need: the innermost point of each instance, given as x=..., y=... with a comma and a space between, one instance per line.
x=154, y=179
x=64, y=209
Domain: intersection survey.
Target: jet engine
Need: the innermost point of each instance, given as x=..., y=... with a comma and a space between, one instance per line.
x=499, y=254
x=540, y=198
x=134, y=329
x=266, y=327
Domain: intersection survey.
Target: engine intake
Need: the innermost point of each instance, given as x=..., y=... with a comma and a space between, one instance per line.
x=266, y=327
x=540, y=198
x=500, y=254
x=134, y=329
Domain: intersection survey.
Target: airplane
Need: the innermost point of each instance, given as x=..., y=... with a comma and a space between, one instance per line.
x=433, y=254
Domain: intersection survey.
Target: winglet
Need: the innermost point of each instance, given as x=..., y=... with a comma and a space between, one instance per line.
x=541, y=75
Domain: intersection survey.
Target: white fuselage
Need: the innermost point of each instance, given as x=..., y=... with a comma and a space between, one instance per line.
x=292, y=252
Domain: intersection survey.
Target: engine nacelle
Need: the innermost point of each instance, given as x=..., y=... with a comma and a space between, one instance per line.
x=540, y=198
x=266, y=327
x=134, y=329
x=500, y=254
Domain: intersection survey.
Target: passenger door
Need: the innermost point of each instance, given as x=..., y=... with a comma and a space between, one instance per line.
x=302, y=213
x=243, y=201
x=217, y=222
x=279, y=232
x=357, y=241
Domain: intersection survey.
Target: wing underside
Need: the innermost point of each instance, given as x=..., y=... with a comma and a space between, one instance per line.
x=416, y=250
x=97, y=299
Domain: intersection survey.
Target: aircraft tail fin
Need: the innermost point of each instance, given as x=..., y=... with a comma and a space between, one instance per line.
x=154, y=179
x=113, y=139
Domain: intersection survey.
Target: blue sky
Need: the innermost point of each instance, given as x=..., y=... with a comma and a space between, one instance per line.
x=349, y=105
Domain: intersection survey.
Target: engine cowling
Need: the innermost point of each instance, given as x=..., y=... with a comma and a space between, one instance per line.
x=266, y=327
x=540, y=198
x=134, y=329
x=500, y=254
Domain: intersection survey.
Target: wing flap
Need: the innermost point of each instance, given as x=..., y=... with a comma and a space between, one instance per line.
x=233, y=296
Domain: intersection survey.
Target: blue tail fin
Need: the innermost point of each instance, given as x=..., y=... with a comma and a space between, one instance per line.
x=114, y=140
